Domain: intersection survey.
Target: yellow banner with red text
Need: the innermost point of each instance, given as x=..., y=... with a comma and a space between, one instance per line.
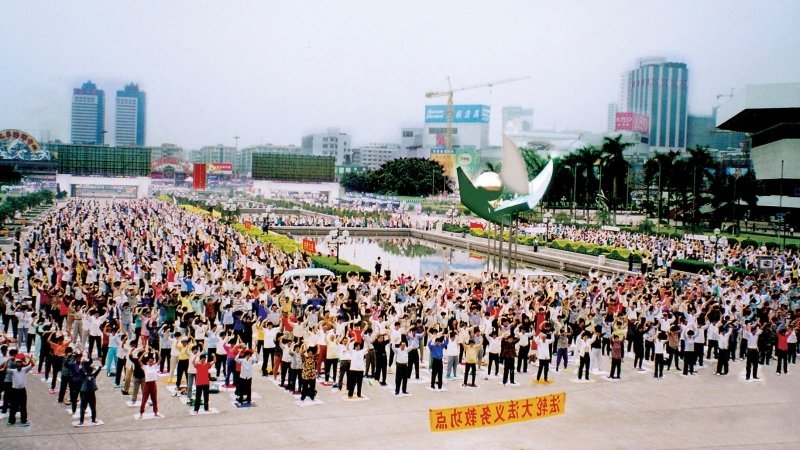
x=498, y=413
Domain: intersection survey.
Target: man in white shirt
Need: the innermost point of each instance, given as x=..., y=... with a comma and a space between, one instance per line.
x=751, y=334
x=270, y=334
x=246, y=362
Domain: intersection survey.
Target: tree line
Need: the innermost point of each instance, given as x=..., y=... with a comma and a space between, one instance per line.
x=690, y=187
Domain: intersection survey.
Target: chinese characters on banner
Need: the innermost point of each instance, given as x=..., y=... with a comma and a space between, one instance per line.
x=309, y=246
x=499, y=413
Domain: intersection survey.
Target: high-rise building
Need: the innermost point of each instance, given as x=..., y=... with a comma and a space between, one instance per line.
x=331, y=143
x=373, y=156
x=658, y=89
x=130, y=117
x=470, y=126
x=613, y=109
x=703, y=131
x=517, y=119
x=88, y=114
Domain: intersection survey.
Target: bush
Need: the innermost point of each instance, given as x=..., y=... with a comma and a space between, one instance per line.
x=732, y=241
x=772, y=245
x=695, y=266
x=454, y=228
x=562, y=217
x=341, y=269
x=12, y=204
x=792, y=247
x=646, y=226
x=615, y=253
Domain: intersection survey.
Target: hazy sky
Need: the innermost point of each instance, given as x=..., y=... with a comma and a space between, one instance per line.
x=271, y=71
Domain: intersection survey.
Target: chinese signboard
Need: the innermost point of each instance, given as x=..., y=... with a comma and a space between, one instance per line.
x=467, y=158
x=199, y=177
x=220, y=168
x=499, y=413
x=461, y=114
x=309, y=246
x=636, y=123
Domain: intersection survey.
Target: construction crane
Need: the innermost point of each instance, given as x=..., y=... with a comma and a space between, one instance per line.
x=449, y=94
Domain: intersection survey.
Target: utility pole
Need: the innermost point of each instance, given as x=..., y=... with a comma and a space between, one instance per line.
x=780, y=206
x=658, y=225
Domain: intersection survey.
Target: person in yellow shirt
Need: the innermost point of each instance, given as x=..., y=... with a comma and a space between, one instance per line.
x=260, y=335
x=186, y=301
x=183, y=347
x=471, y=349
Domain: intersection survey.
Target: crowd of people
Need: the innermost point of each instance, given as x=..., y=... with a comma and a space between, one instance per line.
x=663, y=249
x=143, y=290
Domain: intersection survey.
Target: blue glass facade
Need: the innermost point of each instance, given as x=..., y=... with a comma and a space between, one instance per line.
x=130, y=116
x=659, y=90
x=88, y=114
x=702, y=130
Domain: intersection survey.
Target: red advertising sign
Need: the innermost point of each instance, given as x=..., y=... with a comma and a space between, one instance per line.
x=636, y=123
x=309, y=246
x=220, y=168
x=199, y=177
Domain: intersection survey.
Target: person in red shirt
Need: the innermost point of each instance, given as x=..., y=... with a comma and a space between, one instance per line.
x=202, y=381
x=782, y=350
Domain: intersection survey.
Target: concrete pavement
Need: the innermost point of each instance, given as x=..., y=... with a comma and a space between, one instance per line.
x=635, y=412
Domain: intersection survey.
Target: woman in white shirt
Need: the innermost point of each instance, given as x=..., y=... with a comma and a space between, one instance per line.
x=543, y=342
x=355, y=374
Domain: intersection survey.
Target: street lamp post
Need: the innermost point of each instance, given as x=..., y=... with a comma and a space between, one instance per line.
x=660, y=197
x=228, y=208
x=547, y=219
x=338, y=237
x=266, y=219
x=715, y=240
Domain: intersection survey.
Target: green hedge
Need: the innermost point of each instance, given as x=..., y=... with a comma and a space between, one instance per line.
x=610, y=252
x=695, y=266
x=341, y=269
x=453, y=228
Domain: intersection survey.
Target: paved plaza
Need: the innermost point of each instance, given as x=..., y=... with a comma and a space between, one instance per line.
x=635, y=412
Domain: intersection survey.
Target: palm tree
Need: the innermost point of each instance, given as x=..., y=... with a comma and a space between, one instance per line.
x=567, y=176
x=661, y=168
x=615, y=165
x=586, y=158
x=699, y=164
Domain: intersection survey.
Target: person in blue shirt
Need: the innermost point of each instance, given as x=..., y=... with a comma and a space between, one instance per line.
x=437, y=347
x=414, y=337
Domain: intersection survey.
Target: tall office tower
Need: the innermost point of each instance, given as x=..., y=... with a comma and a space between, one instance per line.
x=658, y=89
x=613, y=109
x=88, y=114
x=130, y=117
